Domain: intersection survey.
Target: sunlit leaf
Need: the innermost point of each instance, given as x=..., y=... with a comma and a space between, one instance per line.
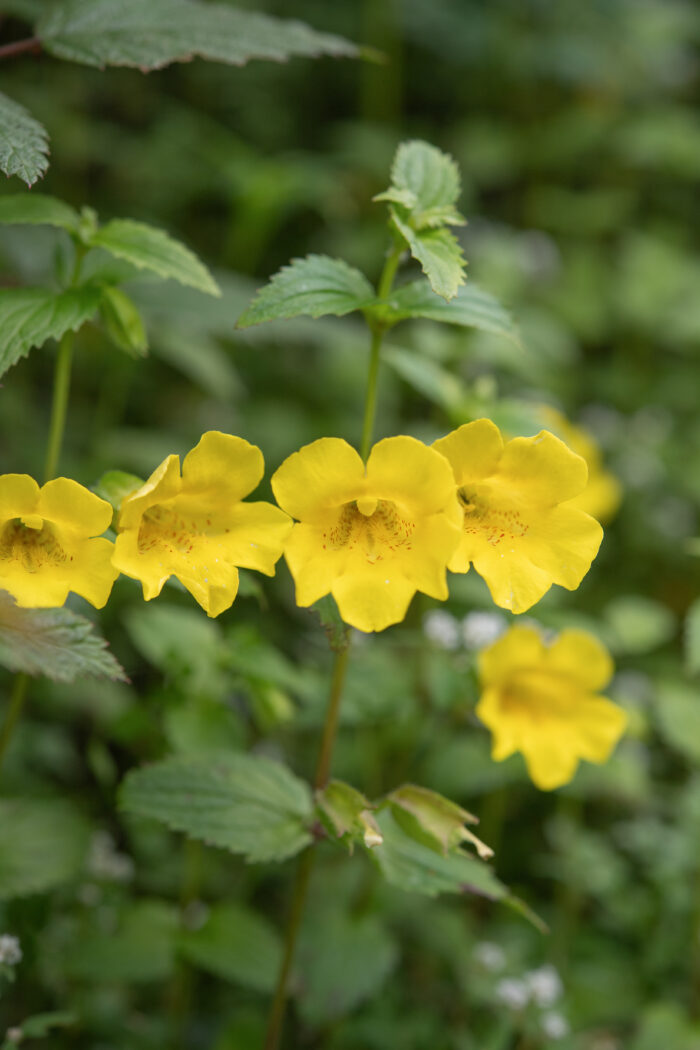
x=313, y=286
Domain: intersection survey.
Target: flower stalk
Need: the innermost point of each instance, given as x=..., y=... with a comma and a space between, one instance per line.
x=377, y=332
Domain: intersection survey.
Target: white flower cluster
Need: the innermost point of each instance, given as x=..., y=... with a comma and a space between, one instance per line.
x=542, y=988
x=475, y=631
x=10, y=951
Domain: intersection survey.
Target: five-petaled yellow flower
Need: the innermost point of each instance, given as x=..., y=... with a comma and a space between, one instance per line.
x=518, y=530
x=541, y=700
x=371, y=536
x=195, y=527
x=603, y=493
x=49, y=542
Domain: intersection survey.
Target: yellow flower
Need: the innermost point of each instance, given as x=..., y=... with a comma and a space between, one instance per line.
x=370, y=536
x=518, y=530
x=46, y=542
x=603, y=493
x=540, y=699
x=195, y=526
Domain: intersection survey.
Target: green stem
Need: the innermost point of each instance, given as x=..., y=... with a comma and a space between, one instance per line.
x=17, y=696
x=377, y=330
x=306, y=861
x=59, y=406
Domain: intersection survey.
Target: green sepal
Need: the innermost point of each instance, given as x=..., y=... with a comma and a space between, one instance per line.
x=434, y=820
x=346, y=813
x=332, y=622
x=116, y=485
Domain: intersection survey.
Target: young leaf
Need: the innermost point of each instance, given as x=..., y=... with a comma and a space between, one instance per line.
x=412, y=866
x=142, y=948
x=470, y=308
x=38, y=209
x=313, y=286
x=152, y=249
x=439, y=254
x=44, y=843
x=123, y=321
x=30, y=316
x=237, y=945
x=24, y=143
x=56, y=643
x=153, y=34
x=244, y=803
x=431, y=177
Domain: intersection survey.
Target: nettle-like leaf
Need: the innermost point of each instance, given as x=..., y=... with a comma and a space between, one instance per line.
x=150, y=35
x=44, y=844
x=30, y=316
x=245, y=803
x=411, y=865
x=56, y=643
x=149, y=248
x=470, y=308
x=438, y=252
x=237, y=945
x=24, y=142
x=37, y=209
x=313, y=286
x=426, y=182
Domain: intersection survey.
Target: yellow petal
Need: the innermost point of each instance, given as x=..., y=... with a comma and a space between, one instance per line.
x=514, y=582
x=216, y=591
x=517, y=648
x=563, y=541
x=312, y=564
x=34, y=590
x=372, y=601
x=127, y=558
x=543, y=469
x=163, y=484
x=256, y=536
x=473, y=450
x=424, y=564
x=223, y=463
x=319, y=478
x=73, y=506
x=411, y=475
x=551, y=759
x=599, y=725
x=581, y=657
x=92, y=571
x=506, y=731
x=19, y=495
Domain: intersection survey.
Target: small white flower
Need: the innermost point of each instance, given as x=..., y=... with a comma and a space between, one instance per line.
x=545, y=985
x=555, y=1026
x=10, y=951
x=513, y=993
x=491, y=956
x=105, y=861
x=441, y=628
x=481, y=628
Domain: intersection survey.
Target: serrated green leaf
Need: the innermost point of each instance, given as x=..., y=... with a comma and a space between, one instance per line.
x=439, y=254
x=30, y=316
x=43, y=844
x=426, y=182
x=56, y=643
x=153, y=34
x=313, y=286
x=237, y=945
x=245, y=803
x=414, y=867
x=37, y=209
x=141, y=948
x=123, y=322
x=24, y=142
x=470, y=308
x=149, y=248
x=692, y=638
x=345, y=960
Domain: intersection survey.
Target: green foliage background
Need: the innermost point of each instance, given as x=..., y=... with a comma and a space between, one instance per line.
x=577, y=134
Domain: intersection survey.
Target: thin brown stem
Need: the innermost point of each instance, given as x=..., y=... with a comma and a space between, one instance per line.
x=21, y=47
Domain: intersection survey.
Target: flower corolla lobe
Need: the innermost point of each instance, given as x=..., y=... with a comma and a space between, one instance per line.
x=518, y=530
x=194, y=525
x=371, y=536
x=50, y=542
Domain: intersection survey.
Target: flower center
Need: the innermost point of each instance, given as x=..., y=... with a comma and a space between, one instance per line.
x=494, y=523
x=164, y=527
x=373, y=527
x=32, y=542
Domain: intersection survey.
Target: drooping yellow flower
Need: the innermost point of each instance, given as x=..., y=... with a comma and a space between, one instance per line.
x=603, y=493
x=519, y=529
x=541, y=700
x=370, y=536
x=195, y=527
x=49, y=542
